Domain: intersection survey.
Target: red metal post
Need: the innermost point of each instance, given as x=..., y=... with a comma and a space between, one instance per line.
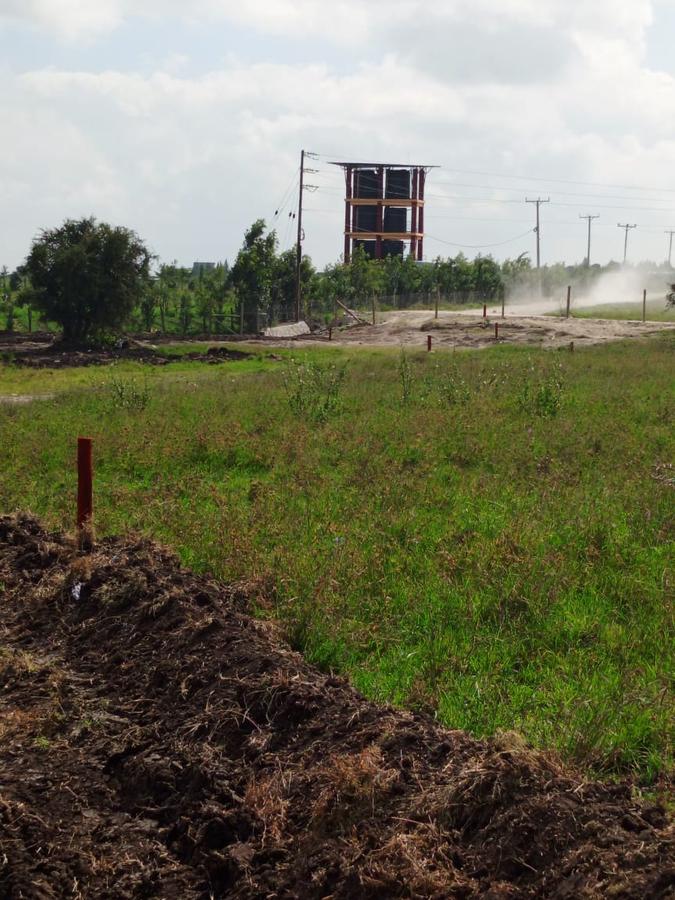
x=428, y=342
x=496, y=331
x=485, y=310
x=420, y=217
x=413, y=217
x=379, y=219
x=348, y=196
x=85, y=482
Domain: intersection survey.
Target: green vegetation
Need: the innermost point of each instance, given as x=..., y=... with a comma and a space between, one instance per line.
x=88, y=277
x=485, y=535
x=258, y=289
x=657, y=311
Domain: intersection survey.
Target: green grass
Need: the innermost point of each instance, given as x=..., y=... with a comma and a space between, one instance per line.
x=657, y=311
x=496, y=549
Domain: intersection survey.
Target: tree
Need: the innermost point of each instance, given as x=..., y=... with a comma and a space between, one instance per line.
x=284, y=284
x=6, y=299
x=253, y=271
x=88, y=276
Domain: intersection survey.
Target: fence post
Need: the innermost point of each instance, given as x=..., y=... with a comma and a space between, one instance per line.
x=503, y=302
x=85, y=491
x=428, y=342
x=496, y=331
x=241, y=317
x=569, y=300
x=644, y=305
x=438, y=294
x=485, y=310
x=373, y=309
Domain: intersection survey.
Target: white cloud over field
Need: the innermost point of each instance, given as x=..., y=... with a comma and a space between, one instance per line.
x=191, y=148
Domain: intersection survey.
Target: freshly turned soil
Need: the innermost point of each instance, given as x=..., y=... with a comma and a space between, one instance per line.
x=157, y=741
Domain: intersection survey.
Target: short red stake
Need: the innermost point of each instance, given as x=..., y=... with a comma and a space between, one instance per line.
x=85, y=483
x=496, y=331
x=485, y=310
x=330, y=333
x=428, y=342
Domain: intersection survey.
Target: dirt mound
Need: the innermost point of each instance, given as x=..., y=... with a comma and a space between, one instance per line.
x=53, y=356
x=159, y=742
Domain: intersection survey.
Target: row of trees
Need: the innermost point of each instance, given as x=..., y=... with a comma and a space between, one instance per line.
x=91, y=278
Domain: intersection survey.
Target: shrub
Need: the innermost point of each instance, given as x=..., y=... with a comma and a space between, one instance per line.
x=313, y=389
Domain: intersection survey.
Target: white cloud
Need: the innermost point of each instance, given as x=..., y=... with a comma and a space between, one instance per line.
x=191, y=160
x=68, y=18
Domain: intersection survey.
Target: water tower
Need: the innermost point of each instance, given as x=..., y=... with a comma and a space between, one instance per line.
x=384, y=209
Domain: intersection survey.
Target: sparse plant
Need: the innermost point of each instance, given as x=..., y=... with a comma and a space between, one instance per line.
x=542, y=396
x=445, y=386
x=406, y=377
x=313, y=389
x=127, y=393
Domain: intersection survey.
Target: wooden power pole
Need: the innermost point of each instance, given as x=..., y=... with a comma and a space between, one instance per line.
x=537, y=230
x=626, y=228
x=670, y=248
x=298, y=264
x=301, y=234
x=588, y=249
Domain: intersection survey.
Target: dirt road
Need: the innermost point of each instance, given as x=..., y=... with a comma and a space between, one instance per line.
x=469, y=329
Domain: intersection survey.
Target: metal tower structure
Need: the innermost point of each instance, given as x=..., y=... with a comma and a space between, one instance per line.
x=384, y=208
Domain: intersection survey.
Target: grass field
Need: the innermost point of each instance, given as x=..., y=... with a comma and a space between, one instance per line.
x=656, y=311
x=484, y=535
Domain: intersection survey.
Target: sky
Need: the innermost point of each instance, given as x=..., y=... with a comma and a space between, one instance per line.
x=185, y=121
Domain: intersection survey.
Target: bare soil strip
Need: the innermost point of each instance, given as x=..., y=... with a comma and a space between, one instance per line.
x=159, y=742
x=468, y=329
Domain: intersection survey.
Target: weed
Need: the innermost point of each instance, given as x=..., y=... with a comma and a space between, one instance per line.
x=444, y=386
x=406, y=377
x=127, y=393
x=313, y=389
x=542, y=396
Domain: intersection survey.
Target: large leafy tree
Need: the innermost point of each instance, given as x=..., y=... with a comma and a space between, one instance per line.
x=253, y=272
x=88, y=276
x=284, y=284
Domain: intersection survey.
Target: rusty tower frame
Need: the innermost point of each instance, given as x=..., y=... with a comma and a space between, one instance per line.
x=384, y=199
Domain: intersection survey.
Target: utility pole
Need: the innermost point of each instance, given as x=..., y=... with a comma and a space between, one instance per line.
x=670, y=247
x=626, y=228
x=588, y=252
x=298, y=290
x=301, y=236
x=538, y=203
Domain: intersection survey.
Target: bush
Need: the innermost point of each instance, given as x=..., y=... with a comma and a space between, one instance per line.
x=313, y=389
x=542, y=396
x=127, y=394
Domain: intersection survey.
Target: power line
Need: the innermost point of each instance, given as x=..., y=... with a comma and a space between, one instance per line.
x=480, y=246
x=623, y=187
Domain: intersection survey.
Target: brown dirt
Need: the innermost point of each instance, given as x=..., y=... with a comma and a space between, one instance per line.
x=468, y=329
x=47, y=354
x=159, y=742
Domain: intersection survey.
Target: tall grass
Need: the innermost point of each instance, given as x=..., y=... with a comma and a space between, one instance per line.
x=480, y=535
